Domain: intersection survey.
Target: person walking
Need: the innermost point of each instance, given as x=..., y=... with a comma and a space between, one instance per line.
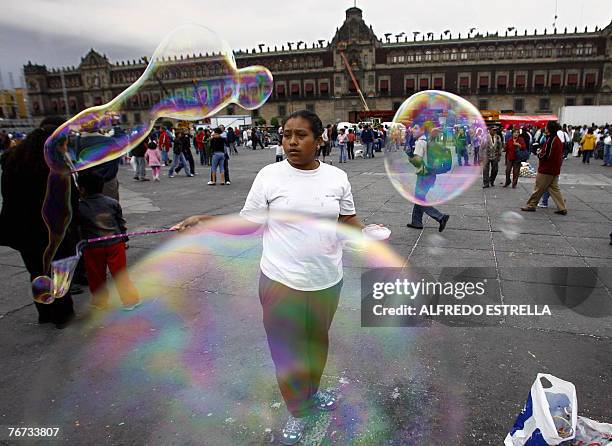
x=179, y=157
x=367, y=138
x=549, y=168
x=425, y=180
x=461, y=143
x=492, y=150
x=301, y=265
x=588, y=143
x=607, y=159
x=342, y=140
x=513, y=164
x=350, y=144
x=217, y=146
x=139, y=155
x=199, y=144
x=153, y=158
x=164, y=143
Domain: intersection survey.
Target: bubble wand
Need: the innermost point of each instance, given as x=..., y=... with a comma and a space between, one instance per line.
x=46, y=289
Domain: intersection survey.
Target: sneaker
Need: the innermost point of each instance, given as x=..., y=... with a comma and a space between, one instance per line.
x=543, y=205
x=98, y=306
x=326, y=400
x=293, y=431
x=170, y=176
x=210, y=183
x=137, y=179
x=228, y=183
x=410, y=225
x=443, y=222
x=132, y=307
x=190, y=175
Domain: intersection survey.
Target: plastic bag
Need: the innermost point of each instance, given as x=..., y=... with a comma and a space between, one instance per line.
x=549, y=416
x=133, y=163
x=591, y=433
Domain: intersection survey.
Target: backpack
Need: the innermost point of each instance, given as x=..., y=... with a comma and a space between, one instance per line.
x=439, y=158
x=522, y=155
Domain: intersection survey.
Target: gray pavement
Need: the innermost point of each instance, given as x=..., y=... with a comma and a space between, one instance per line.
x=191, y=366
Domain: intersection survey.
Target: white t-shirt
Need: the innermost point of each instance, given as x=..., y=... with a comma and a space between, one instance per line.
x=279, y=150
x=302, y=255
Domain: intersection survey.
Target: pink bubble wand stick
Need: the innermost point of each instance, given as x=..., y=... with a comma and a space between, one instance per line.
x=46, y=289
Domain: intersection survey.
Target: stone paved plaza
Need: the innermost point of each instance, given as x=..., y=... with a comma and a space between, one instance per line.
x=192, y=367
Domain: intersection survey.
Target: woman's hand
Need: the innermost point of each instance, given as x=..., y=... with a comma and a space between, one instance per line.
x=189, y=222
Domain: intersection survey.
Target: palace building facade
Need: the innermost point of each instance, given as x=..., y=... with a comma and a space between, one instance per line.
x=524, y=74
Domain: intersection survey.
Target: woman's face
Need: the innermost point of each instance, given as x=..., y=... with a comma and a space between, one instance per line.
x=299, y=142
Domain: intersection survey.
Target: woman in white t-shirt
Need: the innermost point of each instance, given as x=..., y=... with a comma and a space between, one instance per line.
x=301, y=265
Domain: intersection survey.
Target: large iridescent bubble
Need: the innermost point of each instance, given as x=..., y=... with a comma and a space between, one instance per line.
x=191, y=365
x=453, y=131
x=190, y=55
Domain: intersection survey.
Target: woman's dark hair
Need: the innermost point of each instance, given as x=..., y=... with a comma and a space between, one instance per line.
x=217, y=130
x=28, y=156
x=313, y=119
x=91, y=181
x=553, y=127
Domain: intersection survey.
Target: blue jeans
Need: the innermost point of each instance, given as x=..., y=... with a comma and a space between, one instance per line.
x=217, y=161
x=608, y=154
x=164, y=155
x=343, y=153
x=368, y=151
x=176, y=161
x=463, y=153
x=545, y=198
x=422, y=186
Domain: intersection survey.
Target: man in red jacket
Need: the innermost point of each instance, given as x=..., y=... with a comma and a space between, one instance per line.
x=549, y=167
x=513, y=164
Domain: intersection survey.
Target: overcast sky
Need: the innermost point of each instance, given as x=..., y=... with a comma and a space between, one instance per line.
x=60, y=32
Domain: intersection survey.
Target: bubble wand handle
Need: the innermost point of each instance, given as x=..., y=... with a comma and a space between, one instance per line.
x=127, y=234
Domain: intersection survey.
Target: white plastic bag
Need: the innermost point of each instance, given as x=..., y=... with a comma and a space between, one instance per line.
x=549, y=416
x=133, y=163
x=592, y=433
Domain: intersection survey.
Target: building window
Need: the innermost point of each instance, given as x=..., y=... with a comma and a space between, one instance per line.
x=464, y=84
x=280, y=90
x=438, y=83
x=555, y=81
x=124, y=118
x=396, y=106
x=309, y=88
x=295, y=90
x=324, y=88
x=464, y=54
x=588, y=101
x=282, y=110
x=137, y=119
x=589, y=80
x=502, y=82
x=572, y=80
x=384, y=86
x=424, y=84
x=588, y=49
x=445, y=55
x=520, y=81
x=544, y=104
x=428, y=56
x=418, y=57
x=519, y=105
x=410, y=57
x=409, y=85
x=98, y=100
x=579, y=50
x=570, y=101
x=310, y=107
x=483, y=83
x=483, y=104
x=453, y=54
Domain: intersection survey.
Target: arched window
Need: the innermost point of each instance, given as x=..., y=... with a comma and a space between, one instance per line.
x=445, y=55
x=579, y=49
x=428, y=56
x=453, y=54
x=540, y=51
x=464, y=54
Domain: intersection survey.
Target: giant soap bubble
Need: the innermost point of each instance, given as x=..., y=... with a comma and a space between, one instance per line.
x=451, y=128
x=190, y=55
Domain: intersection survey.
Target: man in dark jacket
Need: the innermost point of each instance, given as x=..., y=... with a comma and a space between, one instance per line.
x=179, y=156
x=367, y=138
x=549, y=168
x=139, y=154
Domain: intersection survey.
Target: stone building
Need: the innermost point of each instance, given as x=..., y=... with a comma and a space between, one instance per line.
x=530, y=73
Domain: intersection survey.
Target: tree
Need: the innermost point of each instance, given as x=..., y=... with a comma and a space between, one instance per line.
x=260, y=121
x=274, y=122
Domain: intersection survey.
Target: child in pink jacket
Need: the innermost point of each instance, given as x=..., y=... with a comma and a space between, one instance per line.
x=153, y=157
